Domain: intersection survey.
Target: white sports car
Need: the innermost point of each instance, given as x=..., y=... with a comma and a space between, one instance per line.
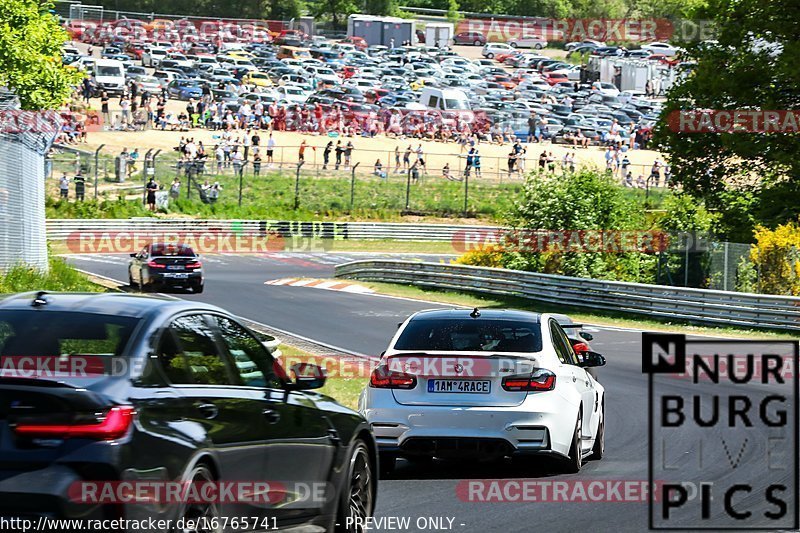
x=491, y=383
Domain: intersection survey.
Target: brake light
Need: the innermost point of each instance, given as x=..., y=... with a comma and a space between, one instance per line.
x=196, y=264
x=540, y=380
x=153, y=264
x=116, y=423
x=580, y=347
x=384, y=378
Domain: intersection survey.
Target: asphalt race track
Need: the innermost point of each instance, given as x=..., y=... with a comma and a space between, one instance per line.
x=364, y=323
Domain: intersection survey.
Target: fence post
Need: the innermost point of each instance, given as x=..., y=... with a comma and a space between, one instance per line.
x=148, y=160
x=353, y=185
x=241, y=180
x=297, y=186
x=466, y=193
x=408, y=189
x=96, y=160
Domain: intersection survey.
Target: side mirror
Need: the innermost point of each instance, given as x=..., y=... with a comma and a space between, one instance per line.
x=593, y=359
x=307, y=376
x=133, y=255
x=586, y=336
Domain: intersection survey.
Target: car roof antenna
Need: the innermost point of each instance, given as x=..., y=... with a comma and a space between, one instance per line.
x=39, y=299
x=475, y=313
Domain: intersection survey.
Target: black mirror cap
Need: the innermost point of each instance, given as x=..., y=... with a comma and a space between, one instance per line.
x=307, y=376
x=586, y=336
x=133, y=255
x=593, y=359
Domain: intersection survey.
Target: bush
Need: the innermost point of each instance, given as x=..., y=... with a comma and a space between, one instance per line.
x=490, y=255
x=776, y=258
x=585, y=200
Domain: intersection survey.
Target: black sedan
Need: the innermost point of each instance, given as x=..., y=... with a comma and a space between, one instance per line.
x=166, y=265
x=169, y=410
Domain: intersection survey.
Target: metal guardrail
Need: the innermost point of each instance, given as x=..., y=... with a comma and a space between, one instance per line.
x=694, y=305
x=62, y=229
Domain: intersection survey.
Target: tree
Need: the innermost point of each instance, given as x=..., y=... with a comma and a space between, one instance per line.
x=336, y=10
x=30, y=55
x=284, y=10
x=752, y=65
x=380, y=7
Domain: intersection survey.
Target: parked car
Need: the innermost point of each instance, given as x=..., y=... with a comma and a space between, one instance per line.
x=528, y=41
x=490, y=50
x=469, y=37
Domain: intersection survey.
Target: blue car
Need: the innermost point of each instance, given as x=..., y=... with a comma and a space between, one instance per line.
x=184, y=89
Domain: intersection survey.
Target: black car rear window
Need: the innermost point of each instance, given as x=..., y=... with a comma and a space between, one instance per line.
x=179, y=250
x=63, y=334
x=468, y=334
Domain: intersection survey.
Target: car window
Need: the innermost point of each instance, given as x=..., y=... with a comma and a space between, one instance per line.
x=194, y=357
x=454, y=334
x=252, y=362
x=562, y=345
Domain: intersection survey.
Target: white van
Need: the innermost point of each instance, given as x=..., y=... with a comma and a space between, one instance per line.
x=444, y=99
x=109, y=76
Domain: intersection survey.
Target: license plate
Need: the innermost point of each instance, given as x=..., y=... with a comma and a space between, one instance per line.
x=178, y=276
x=175, y=267
x=469, y=386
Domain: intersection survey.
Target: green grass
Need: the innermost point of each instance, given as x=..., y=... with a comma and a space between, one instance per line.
x=618, y=319
x=60, y=277
x=343, y=389
x=325, y=197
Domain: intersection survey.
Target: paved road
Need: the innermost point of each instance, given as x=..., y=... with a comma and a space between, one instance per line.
x=364, y=324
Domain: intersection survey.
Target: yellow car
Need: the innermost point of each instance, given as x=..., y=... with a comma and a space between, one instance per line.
x=240, y=53
x=257, y=78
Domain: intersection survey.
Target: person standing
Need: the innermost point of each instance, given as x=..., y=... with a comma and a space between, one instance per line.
x=348, y=154
x=407, y=158
x=476, y=163
x=397, y=159
x=175, y=189
x=326, y=155
x=152, y=188
x=104, y=107
x=80, y=185
x=470, y=161
x=257, y=165
x=339, y=152
x=270, y=149
x=301, y=152
x=125, y=107
x=63, y=186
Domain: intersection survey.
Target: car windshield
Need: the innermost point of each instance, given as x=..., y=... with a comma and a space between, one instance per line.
x=455, y=334
x=103, y=70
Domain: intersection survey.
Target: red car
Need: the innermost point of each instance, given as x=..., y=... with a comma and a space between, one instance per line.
x=358, y=42
x=470, y=37
x=555, y=77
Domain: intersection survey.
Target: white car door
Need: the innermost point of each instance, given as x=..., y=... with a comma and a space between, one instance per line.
x=581, y=380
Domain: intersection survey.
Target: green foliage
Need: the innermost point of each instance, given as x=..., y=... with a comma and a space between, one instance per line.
x=586, y=200
x=59, y=277
x=776, y=258
x=685, y=213
x=272, y=196
x=754, y=66
x=30, y=55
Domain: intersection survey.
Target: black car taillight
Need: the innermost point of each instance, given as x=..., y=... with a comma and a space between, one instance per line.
x=111, y=425
x=384, y=378
x=539, y=380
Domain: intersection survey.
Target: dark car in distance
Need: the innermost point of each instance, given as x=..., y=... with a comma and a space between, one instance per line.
x=166, y=265
x=180, y=392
